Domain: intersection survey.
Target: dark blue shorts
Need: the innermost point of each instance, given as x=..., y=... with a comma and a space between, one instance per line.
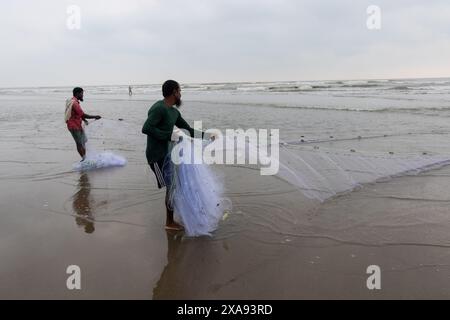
x=163, y=170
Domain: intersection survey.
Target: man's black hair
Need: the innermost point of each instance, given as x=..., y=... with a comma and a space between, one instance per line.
x=77, y=90
x=169, y=87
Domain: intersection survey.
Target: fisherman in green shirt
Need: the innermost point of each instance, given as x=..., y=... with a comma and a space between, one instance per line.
x=162, y=117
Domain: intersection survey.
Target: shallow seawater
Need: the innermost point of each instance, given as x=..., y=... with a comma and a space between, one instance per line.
x=276, y=242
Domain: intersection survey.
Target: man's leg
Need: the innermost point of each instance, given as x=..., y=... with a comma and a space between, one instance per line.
x=164, y=180
x=81, y=150
x=169, y=217
x=167, y=174
x=170, y=222
x=80, y=141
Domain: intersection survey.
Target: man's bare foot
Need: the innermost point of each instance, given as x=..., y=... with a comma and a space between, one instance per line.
x=174, y=226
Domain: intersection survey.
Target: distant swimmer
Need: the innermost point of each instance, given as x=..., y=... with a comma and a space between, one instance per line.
x=73, y=117
x=130, y=91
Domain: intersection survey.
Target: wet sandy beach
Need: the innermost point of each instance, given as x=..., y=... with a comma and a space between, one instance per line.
x=313, y=252
x=276, y=244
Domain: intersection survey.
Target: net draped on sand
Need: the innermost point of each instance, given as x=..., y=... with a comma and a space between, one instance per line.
x=198, y=195
x=321, y=175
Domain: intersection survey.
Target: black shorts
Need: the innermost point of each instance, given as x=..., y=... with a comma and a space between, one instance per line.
x=163, y=170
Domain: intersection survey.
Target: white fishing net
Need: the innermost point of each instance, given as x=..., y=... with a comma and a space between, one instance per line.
x=96, y=159
x=324, y=174
x=198, y=195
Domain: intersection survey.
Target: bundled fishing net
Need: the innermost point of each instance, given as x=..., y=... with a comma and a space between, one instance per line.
x=196, y=193
x=98, y=159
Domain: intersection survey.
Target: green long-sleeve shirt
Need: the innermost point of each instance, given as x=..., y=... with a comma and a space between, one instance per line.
x=159, y=127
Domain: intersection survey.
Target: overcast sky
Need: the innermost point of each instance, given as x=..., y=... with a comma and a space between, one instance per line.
x=132, y=41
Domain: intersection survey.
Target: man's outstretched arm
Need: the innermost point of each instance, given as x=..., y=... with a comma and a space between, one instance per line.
x=87, y=116
x=182, y=124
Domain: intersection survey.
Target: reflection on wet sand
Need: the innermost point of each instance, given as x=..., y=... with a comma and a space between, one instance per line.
x=82, y=204
x=190, y=269
x=164, y=283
